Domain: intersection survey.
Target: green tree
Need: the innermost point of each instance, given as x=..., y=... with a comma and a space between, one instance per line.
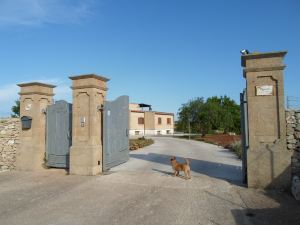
x=216, y=113
x=16, y=109
x=190, y=113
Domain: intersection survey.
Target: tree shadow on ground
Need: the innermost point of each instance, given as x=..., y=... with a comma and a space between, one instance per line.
x=230, y=173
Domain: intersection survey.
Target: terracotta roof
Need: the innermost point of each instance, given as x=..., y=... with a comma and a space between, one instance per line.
x=157, y=113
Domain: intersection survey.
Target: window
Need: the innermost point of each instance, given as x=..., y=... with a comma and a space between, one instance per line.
x=168, y=131
x=158, y=132
x=169, y=121
x=159, y=120
x=140, y=120
x=137, y=132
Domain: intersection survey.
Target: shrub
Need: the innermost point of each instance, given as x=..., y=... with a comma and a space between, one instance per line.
x=142, y=142
x=237, y=148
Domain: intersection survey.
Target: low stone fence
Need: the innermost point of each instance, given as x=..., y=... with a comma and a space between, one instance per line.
x=293, y=138
x=9, y=140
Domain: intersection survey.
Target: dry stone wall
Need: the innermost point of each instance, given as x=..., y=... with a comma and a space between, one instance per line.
x=293, y=138
x=9, y=140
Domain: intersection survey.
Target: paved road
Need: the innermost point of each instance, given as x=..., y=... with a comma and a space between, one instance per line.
x=143, y=192
x=205, y=159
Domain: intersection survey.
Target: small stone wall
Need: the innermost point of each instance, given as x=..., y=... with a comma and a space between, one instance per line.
x=9, y=140
x=293, y=138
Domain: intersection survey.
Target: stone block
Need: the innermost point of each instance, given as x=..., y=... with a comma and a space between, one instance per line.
x=290, y=137
x=85, y=160
x=291, y=119
x=297, y=135
x=291, y=141
x=4, y=167
x=290, y=131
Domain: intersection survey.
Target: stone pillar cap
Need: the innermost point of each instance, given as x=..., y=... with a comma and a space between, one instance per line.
x=258, y=55
x=269, y=66
x=84, y=76
x=36, y=84
x=36, y=88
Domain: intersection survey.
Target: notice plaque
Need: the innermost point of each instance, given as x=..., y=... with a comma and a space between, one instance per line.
x=264, y=90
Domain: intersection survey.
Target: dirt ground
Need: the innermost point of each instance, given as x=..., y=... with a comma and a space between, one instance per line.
x=223, y=140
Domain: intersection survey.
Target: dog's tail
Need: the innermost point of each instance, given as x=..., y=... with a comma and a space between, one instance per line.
x=187, y=161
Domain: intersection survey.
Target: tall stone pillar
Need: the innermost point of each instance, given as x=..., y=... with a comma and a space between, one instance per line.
x=89, y=92
x=34, y=99
x=268, y=160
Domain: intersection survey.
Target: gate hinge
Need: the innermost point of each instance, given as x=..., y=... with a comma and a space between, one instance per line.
x=100, y=107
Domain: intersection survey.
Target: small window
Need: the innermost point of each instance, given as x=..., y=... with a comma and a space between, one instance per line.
x=158, y=132
x=168, y=131
x=137, y=132
x=140, y=120
x=159, y=120
x=169, y=121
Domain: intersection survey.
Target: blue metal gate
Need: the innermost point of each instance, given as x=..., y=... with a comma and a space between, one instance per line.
x=58, y=134
x=244, y=131
x=115, y=132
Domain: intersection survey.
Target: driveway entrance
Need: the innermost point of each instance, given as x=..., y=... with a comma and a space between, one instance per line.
x=142, y=191
x=205, y=159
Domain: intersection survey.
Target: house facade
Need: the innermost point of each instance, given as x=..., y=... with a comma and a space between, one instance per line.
x=143, y=122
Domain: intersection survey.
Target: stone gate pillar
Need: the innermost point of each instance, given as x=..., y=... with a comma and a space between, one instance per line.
x=268, y=160
x=34, y=99
x=89, y=92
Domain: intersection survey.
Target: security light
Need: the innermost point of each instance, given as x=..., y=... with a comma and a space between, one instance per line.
x=244, y=52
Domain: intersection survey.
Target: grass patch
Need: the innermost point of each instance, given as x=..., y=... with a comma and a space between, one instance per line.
x=142, y=142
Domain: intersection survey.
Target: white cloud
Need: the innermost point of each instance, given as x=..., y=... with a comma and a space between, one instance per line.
x=9, y=93
x=37, y=12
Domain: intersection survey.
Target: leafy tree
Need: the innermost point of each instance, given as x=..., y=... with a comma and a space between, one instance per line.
x=190, y=113
x=216, y=113
x=16, y=109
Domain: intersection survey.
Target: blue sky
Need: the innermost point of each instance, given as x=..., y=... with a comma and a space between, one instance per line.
x=160, y=52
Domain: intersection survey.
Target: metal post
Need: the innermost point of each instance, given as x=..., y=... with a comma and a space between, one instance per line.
x=189, y=129
x=144, y=126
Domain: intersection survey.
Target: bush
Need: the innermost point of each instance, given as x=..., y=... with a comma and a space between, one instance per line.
x=236, y=147
x=142, y=142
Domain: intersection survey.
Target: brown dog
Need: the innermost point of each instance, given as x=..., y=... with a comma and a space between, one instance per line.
x=181, y=167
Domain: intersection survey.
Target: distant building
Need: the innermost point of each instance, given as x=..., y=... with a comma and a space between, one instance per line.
x=143, y=122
